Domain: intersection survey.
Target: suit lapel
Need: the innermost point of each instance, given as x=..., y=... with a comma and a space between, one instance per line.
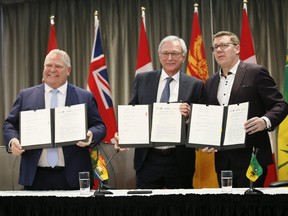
x=182, y=87
x=212, y=91
x=240, y=74
x=39, y=97
x=71, y=98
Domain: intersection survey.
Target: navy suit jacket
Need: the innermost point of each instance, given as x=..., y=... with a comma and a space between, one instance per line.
x=191, y=90
x=76, y=158
x=252, y=84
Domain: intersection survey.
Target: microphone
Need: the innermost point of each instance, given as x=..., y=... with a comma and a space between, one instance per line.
x=100, y=191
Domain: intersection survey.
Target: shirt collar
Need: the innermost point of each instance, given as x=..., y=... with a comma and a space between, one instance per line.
x=164, y=76
x=233, y=70
x=62, y=89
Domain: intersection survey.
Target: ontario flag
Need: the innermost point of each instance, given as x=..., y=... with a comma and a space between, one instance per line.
x=247, y=54
x=205, y=175
x=144, y=62
x=98, y=84
x=52, y=42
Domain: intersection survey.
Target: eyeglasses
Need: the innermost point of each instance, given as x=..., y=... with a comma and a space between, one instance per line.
x=222, y=46
x=174, y=55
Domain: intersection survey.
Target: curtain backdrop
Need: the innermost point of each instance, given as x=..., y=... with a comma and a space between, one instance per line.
x=25, y=29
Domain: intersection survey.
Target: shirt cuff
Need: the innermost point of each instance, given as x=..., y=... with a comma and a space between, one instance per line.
x=268, y=122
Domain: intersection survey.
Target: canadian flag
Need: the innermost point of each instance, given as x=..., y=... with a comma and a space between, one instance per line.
x=144, y=62
x=247, y=54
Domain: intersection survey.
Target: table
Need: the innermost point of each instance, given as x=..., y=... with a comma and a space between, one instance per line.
x=198, y=202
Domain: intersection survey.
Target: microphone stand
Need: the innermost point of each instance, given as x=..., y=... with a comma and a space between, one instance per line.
x=100, y=191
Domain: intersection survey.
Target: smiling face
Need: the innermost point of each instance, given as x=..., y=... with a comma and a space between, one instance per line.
x=55, y=71
x=171, y=56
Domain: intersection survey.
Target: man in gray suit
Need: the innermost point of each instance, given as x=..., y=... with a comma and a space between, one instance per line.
x=169, y=166
x=238, y=82
x=36, y=173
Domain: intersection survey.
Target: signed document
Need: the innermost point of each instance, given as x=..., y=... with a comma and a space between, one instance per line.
x=53, y=127
x=167, y=124
x=134, y=125
x=218, y=127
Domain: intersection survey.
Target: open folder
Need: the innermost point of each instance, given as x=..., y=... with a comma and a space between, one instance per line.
x=218, y=127
x=160, y=124
x=45, y=128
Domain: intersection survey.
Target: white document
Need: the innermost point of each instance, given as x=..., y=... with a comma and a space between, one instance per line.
x=218, y=126
x=206, y=124
x=236, y=117
x=53, y=127
x=133, y=124
x=70, y=123
x=166, y=123
x=35, y=127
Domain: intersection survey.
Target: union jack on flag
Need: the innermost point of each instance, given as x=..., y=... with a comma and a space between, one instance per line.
x=98, y=84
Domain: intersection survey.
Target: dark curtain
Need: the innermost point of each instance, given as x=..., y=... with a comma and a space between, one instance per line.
x=25, y=28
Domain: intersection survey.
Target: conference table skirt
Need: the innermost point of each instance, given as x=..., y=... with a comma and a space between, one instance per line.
x=162, y=205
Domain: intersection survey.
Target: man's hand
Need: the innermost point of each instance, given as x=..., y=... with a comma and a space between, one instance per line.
x=90, y=138
x=209, y=150
x=185, y=110
x=254, y=125
x=116, y=144
x=16, y=148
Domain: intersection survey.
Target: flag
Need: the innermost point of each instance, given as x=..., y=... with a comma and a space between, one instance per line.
x=144, y=62
x=282, y=134
x=205, y=175
x=98, y=84
x=254, y=170
x=52, y=42
x=247, y=54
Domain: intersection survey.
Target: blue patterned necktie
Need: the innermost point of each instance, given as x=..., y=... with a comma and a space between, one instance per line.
x=52, y=153
x=166, y=91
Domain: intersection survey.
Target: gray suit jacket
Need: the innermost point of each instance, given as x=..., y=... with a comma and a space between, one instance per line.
x=145, y=92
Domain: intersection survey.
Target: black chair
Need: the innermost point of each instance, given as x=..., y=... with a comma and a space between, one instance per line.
x=282, y=183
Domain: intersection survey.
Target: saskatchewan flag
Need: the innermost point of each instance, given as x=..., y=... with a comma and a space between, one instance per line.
x=254, y=170
x=283, y=135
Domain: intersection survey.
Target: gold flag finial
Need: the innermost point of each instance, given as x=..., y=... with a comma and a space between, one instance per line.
x=52, y=19
x=245, y=1
x=143, y=11
x=196, y=7
x=96, y=17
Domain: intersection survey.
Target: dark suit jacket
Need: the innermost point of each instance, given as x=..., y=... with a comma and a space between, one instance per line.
x=145, y=92
x=253, y=84
x=76, y=158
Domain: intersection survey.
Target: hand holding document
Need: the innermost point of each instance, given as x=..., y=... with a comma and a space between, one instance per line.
x=53, y=127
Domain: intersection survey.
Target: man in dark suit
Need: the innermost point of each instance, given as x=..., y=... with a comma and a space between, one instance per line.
x=238, y=82
x=169, y=166
x=35, y=170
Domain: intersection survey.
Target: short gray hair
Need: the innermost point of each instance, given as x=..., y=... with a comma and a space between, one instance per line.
x=173, y=38
x=65, y=57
